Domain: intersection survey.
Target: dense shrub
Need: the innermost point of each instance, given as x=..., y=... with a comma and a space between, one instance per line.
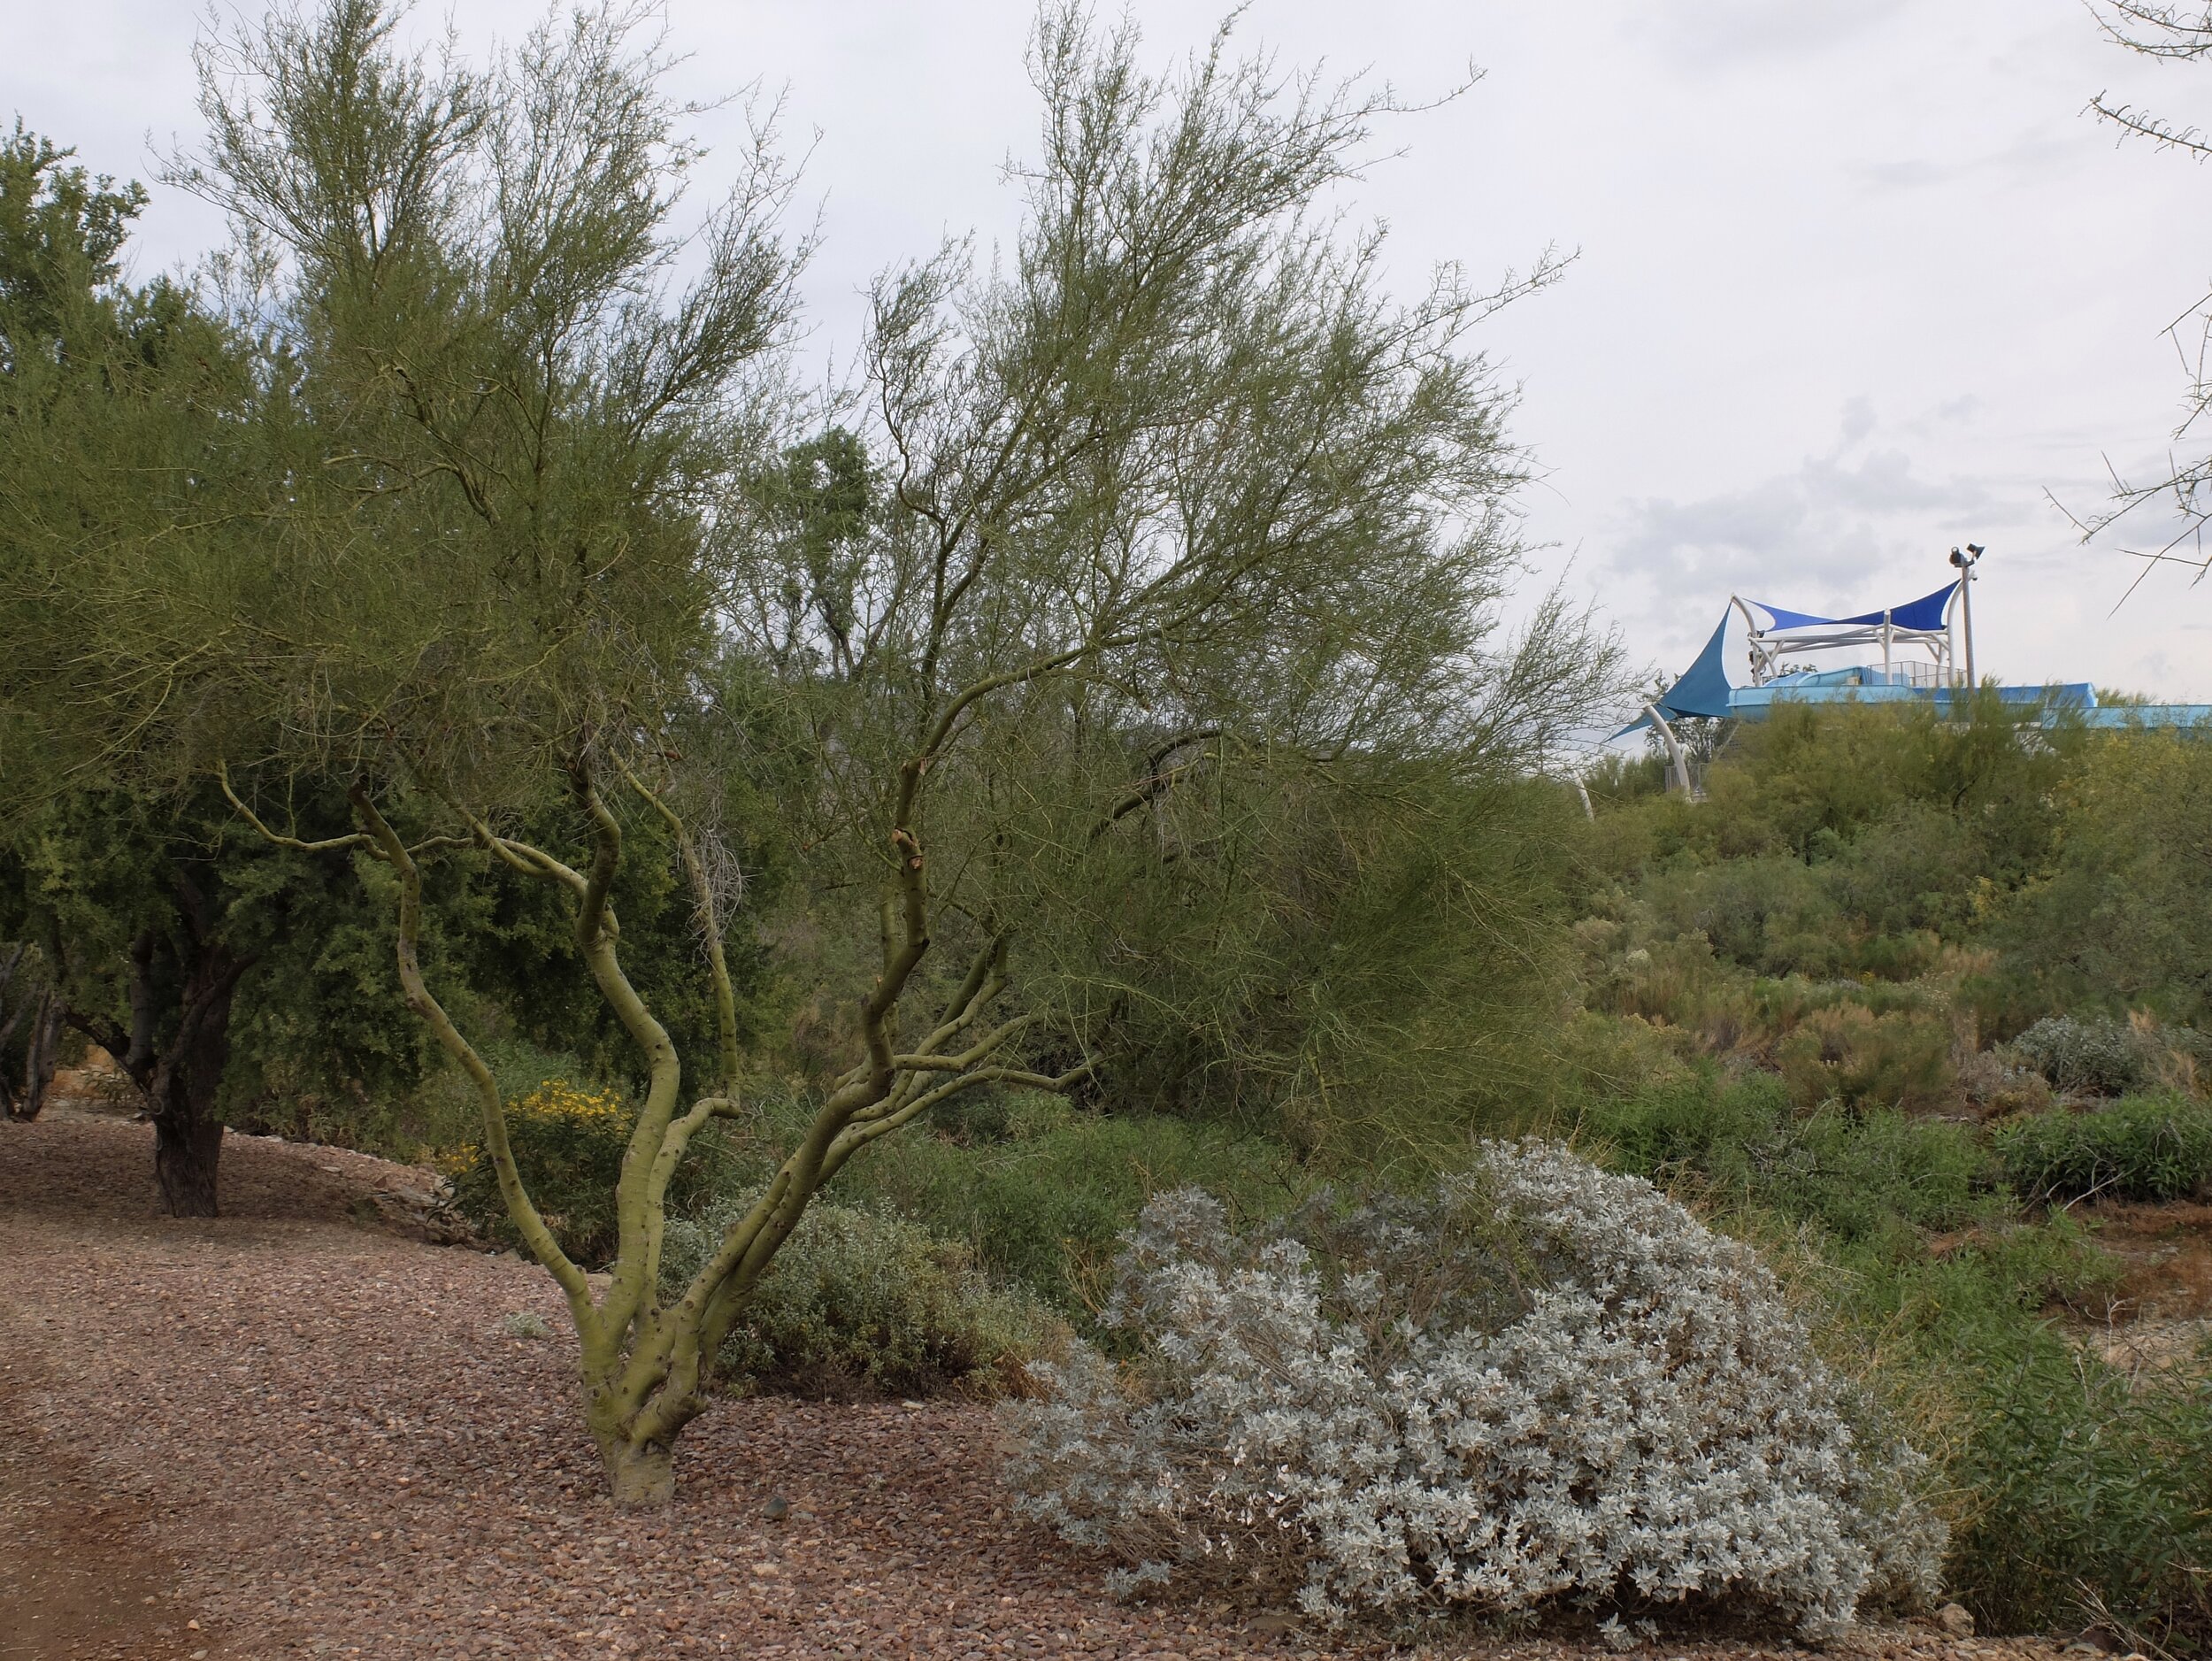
x=1848, y=1054
x=2124, y=911
x=2092, y=1497
x=2109, y=1057
x=2140, y=1147
x=1540, y=1381
x=1041, y=1194
x=568, y=1142
x=855, y=1303
x=1913, y=870
x=1879, y=1176
x=1782, y=1003
x=1678, y=982
x=1770, y=913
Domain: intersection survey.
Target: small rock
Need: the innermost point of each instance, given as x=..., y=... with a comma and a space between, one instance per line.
x=777, y=1508
x=1955, y=1622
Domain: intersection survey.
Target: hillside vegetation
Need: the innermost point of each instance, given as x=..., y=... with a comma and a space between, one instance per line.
x=1919, y=1010
x=1915, y=1004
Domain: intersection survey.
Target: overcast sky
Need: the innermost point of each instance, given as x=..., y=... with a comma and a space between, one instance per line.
x=1857, y=280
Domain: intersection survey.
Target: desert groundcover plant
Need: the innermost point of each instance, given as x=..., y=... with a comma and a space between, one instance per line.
x=1539, y=1382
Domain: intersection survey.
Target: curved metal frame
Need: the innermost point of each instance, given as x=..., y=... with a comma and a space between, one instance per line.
x=1768, y=645
x=1678, y=757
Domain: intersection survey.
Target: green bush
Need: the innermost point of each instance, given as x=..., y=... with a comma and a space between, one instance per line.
x=1859, y=1177
x=568, y=1144
x=859, y=1303
x=1913, y=870
x=568, y=1138
x=1782, y=1003
x=1676, y=982
x=2123, y=910
x=1041, y=1193
x=1849, y=1054
x=2109, y=1057
x=1695, y=1125
x=2140, y=1147
x=2091, y=1497
x=1766, y=913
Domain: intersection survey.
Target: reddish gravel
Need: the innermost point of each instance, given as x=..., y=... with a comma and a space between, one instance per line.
x=292, y=1431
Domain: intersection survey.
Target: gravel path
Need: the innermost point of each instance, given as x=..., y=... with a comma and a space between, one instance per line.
x=292, y=1431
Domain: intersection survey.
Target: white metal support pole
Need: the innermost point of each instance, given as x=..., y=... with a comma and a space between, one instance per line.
x=1681, y=768
x=1965, y=564
x=1885, y=626
x=1966, y=610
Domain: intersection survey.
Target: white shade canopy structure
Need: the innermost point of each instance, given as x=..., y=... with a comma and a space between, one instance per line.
x=1924, y=624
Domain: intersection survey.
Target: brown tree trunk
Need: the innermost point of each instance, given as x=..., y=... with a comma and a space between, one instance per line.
x=186, y=1151
x=40, y=1053
x=11, y=1106
x=181, y=1096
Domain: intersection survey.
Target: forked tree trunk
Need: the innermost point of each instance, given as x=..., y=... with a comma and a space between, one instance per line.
x=40, y=1053
x=638, y=1476
x=42, y=1040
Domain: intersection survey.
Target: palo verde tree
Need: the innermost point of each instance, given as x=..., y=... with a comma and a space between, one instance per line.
x=1180, y=477
x=1154, y=595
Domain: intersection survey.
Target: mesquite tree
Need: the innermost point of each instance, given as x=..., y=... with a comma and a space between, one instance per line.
x=1180, y=482
x=31, y=1016
x=109, y=394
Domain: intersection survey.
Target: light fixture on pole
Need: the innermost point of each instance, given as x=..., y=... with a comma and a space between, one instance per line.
x=1966, y=562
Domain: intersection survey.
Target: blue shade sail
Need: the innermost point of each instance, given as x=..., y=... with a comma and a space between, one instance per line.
x=1703, y=688
x=1926, y=612
x=1792, y=619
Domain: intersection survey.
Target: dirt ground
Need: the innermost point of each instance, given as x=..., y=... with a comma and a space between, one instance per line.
x=295, y=1431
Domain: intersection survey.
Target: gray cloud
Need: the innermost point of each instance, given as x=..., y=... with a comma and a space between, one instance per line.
x=1826, y=526
x=1719, y=32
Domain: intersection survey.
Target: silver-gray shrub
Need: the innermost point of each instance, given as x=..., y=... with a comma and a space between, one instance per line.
x=1538, y=1383
x=2107, y=1056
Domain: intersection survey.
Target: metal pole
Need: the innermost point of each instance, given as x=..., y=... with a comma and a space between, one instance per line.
x=1674, y=748
x=1966, y=612
x=1966, y=562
